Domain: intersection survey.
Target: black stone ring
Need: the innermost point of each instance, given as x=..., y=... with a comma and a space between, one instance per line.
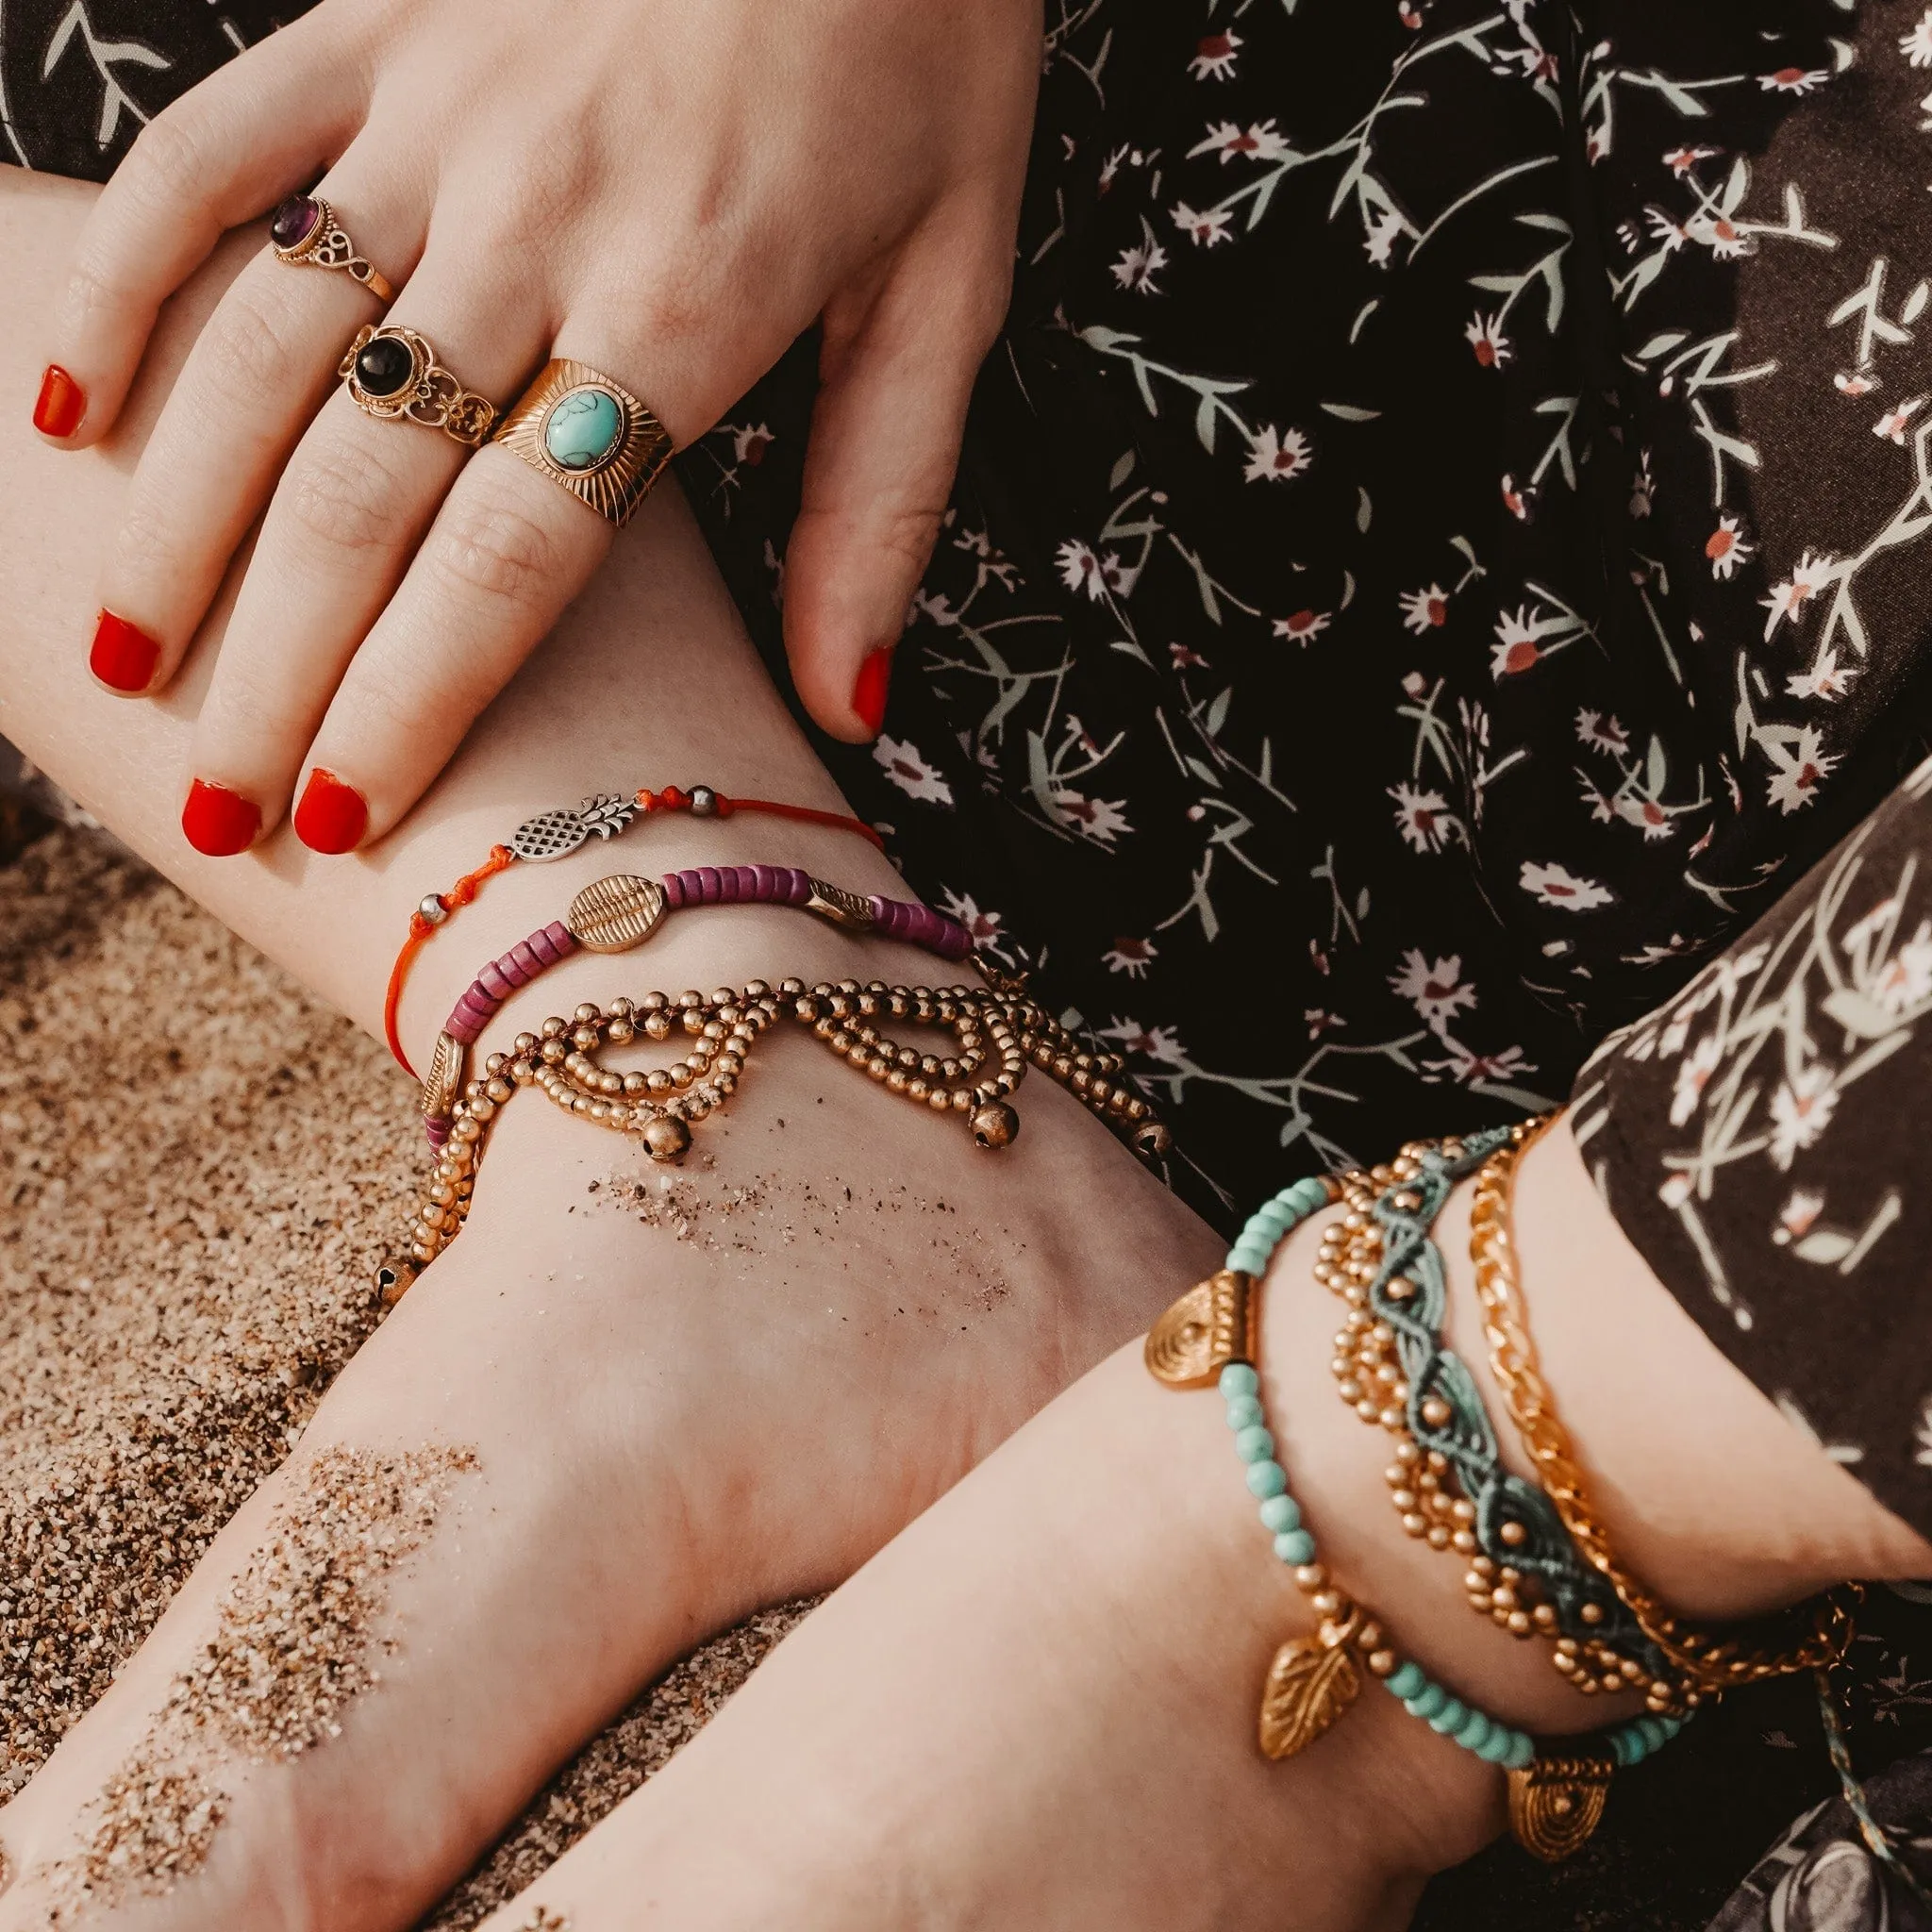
x=393, y=373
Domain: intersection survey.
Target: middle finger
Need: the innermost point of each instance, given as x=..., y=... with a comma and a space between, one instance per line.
x=347, y=516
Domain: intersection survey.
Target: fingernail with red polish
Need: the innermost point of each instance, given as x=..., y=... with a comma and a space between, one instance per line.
x=217, y=822
x=331, y=816
x=869, y=694
x=123, y=656
x=61, y=405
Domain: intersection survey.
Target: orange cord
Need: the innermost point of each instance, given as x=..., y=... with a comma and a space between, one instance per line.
x=461, y=894
x=673, y=798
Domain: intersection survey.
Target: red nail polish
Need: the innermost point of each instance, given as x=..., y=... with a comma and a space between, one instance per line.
x=218, y=822
x=331, y=816
x=123, y=656
x=61, y=405
x=869, y=694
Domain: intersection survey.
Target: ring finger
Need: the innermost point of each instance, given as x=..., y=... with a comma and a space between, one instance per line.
x=262, y=368
x=351, y=507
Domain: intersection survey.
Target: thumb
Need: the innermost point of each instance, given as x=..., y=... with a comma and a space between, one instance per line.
x=897, y=374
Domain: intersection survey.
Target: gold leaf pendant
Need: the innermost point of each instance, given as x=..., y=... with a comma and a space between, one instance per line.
x=1556, y=1802
x=1209, y=1327
x=1311, y=1683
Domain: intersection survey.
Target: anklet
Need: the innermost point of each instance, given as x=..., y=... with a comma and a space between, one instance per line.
x=1446, y=1481
x=614, y=914
x=998, y=1032
x=1212, y=1335
x=551, y=834
x=1712, y=1663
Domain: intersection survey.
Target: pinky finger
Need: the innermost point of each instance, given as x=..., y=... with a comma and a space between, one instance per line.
x=254, y=131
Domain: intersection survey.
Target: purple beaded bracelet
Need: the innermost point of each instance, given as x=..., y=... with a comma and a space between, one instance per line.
x=614, y=914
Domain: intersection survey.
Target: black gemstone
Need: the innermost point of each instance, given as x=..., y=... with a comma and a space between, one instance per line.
x=384, y=366
x=292, y=223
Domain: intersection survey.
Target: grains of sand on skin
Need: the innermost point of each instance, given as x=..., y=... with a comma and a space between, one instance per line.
x=294, y=1643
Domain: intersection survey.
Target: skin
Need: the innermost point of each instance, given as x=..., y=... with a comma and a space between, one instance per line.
x=672, y=196
x=1035, y=1705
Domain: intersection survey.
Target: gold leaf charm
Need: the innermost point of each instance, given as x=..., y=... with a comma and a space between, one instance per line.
x=445, y=1081
x=1556, y=1802
x=1211, y=1325
x=1311, y=1683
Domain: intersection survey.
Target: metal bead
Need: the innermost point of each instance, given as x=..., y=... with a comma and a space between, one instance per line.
x=994, y=1124
x=666, y=1139
x=392, y=1281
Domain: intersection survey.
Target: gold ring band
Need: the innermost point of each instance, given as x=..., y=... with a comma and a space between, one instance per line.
x=304, y=231
x=588, y=432
x=392, y=373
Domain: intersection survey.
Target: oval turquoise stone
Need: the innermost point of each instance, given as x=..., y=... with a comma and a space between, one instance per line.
x=583, y=430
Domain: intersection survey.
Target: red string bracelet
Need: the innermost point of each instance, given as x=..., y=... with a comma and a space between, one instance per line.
x=551, y=834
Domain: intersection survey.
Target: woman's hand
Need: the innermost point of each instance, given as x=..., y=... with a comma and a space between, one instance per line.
x=668, y=192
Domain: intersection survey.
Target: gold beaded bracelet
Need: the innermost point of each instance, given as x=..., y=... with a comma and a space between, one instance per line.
x=1709, y=1662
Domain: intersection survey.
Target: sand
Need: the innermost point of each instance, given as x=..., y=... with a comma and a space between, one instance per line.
x=191, y=1211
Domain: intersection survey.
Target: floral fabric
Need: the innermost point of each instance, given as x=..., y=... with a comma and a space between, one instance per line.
x=1437, y=547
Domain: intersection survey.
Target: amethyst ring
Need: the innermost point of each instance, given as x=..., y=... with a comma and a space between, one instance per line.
x=304, y=230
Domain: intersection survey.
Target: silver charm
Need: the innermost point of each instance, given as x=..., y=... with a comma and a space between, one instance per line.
x=608, y=814
x=554, y=834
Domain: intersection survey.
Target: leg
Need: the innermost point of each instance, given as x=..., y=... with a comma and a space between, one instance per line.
x=656, y=1434
x=1037, y=1705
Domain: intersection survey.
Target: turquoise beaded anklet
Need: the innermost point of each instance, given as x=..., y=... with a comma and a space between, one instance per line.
x=1209, y=1336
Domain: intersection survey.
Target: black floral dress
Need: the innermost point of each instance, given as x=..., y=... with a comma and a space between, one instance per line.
x=1443, y=546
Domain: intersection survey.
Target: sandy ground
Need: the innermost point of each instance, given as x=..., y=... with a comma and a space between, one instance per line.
x=199, y=1166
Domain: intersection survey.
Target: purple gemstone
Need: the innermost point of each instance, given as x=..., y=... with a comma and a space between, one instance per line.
x=293, y=222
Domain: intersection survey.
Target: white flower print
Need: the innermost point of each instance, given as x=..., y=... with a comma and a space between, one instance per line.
x=1557, y=886
x=749, y=442
x=1675, y=1189
x=1485, y=339
x=1798, y=765
x=1203, y=227
x=1469, y=1066
x=1303, y=627
x=1425, y=610
x=1260, y=142
x=1693, y=1075
x=1514, y=500
x=1904, y=982
x=1824, y=679
x=1788, y=599
x=1380, y=236
x=1423, y=818
x=1801, y=1109
x=1083, y=568
x=1154, y=1043
x=1601, y=733
x=1682, y=159
x=1214, y=56
x=1436, y=988
x=1917, y=45
x=1795, y=1217
x=909, y=772
x=1100, y=819
x=1726, y=548
x=1793, y=80
x=1130, y=956
x=984, y=927
x=1135, y=268
x=1276, y=455
x=1890, y=427
x=1857, y=384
